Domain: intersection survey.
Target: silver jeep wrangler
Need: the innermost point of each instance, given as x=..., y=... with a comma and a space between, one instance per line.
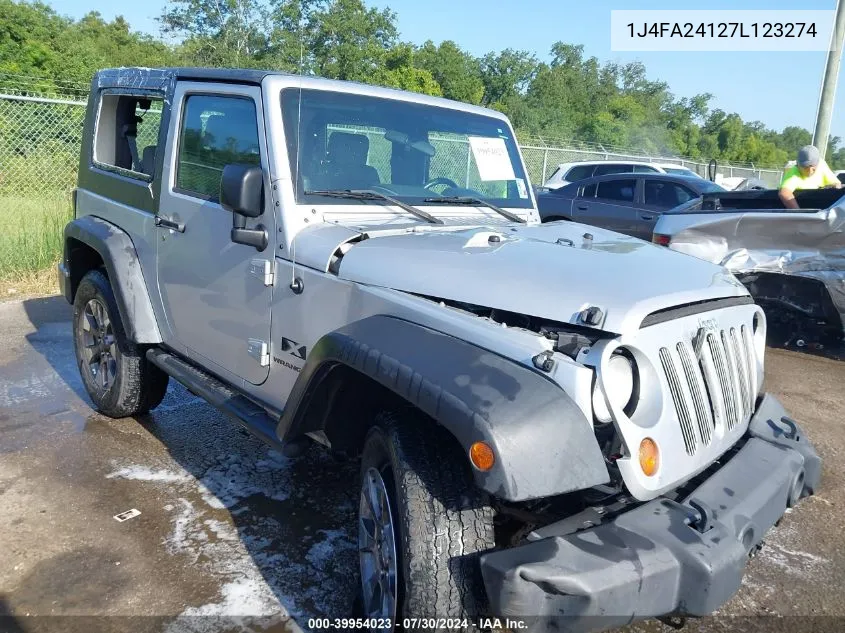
x=554, y=422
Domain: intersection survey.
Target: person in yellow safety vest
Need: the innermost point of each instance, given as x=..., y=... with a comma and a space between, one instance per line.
x=809, y=172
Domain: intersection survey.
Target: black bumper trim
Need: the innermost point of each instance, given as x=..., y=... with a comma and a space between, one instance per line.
x=662, y=557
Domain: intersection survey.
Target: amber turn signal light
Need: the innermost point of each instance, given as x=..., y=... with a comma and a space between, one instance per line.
x=481, y=456
x=649, y=456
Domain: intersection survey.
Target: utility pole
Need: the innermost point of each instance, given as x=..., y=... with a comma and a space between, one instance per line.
x=831, y=75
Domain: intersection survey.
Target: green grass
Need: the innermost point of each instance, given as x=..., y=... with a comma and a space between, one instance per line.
x=31, y=233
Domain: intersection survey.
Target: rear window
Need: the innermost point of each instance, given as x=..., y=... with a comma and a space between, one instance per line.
x=579, y=173
x=613, y=168
x=679, y=171
x=621, y=190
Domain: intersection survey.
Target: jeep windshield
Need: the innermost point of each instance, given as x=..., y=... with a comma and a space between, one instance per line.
x=412, y=152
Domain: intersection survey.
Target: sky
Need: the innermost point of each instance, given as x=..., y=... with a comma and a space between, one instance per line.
x=779, y=89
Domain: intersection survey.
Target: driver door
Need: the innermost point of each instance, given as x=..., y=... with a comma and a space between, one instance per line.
x=215, y=292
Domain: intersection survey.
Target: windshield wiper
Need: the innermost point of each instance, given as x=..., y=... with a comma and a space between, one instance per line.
x=476, y=202
x=366, y=194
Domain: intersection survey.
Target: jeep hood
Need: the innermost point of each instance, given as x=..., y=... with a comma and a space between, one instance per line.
x=549, y=271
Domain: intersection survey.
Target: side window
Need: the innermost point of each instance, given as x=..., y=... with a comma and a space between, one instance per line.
x=613, y=168
x=579, y=173
x=216, y=131
x=589, y=191
x=666, y=195
x=644, y=169
x=841, y=178
x=621, y=190
x=126, y=134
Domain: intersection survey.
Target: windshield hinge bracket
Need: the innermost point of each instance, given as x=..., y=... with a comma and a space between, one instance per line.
x=259, y=350
x=263, y=269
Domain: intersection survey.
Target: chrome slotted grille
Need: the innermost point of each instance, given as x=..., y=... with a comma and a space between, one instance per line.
x=712, y=382
x=681, y=406
x=698, y=391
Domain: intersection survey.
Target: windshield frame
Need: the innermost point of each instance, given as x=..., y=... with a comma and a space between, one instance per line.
x=290, y=111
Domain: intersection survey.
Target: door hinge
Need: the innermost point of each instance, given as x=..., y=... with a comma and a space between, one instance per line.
x=259, y=350
x=263, y=269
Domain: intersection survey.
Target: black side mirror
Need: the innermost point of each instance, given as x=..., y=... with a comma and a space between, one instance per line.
x=242, y=190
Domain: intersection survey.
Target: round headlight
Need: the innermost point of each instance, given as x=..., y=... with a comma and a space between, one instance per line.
x=618, y=379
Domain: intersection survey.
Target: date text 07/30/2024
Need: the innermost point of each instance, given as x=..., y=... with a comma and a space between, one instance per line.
x=445, y=624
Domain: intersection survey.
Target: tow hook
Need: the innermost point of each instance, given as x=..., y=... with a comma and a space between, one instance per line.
x=704, y=521
x=677, y=622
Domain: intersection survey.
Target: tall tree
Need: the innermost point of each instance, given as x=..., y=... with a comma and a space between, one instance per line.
x=400, y=72
x=218, y=32
x=349, y=40
x=458, y=73
x=570, y=96
x=506, y=75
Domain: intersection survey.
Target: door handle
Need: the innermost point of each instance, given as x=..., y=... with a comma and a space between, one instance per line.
x=646, y=216
x=583, y=207
x=170, y=224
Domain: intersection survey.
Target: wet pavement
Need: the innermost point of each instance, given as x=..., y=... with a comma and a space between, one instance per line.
x=231, y=535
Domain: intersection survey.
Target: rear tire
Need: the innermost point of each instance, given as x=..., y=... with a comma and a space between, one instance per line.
x=115, y=372
x=441, y=521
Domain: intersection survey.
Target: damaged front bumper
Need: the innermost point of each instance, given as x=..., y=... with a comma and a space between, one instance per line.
x=663, y=557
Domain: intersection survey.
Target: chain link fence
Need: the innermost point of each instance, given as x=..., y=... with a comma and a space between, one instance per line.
x=40, y=138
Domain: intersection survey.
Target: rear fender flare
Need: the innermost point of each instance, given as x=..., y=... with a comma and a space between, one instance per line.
x=123, y=268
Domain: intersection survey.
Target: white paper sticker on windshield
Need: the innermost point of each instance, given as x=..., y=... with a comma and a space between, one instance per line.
x=520, y=186
x=491, y=158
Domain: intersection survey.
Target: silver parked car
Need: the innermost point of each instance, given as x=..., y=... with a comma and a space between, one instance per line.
x=566, y=173
x=626, y=203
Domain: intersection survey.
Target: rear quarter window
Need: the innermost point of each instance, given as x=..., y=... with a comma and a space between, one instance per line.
x=126, y=133
x=579, y=173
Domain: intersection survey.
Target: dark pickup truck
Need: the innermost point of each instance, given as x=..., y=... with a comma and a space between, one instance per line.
x=792, y=261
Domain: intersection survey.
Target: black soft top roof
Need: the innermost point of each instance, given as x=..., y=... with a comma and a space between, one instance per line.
x=158, y=78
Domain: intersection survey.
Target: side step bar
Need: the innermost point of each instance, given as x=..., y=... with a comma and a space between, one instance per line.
x=219, y=395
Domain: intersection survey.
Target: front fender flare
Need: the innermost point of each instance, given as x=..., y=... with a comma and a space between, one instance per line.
x=543, y=443
x=123, y=268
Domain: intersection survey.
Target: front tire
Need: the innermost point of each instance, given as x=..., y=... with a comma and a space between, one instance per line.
x=420, y=506
x=118, y=378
